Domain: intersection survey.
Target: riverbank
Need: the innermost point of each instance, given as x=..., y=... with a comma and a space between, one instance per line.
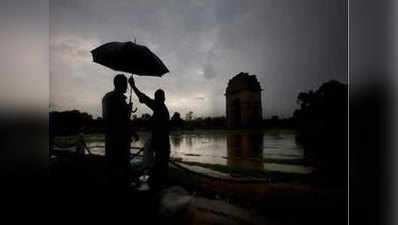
x=304, y=202
x=85, y=178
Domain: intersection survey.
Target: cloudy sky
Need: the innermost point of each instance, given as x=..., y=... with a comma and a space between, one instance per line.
x=290, y=45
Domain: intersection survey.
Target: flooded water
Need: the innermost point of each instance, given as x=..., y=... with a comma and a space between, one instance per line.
x=262, y=150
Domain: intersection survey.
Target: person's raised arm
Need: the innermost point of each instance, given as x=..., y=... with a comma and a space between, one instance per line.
x=143, y=98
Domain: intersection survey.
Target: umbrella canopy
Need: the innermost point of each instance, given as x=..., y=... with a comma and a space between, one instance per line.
x=130, y=58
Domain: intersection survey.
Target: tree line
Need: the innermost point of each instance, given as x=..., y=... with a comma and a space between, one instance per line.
x=320, y=111
x=322, y=125
x=70, y=122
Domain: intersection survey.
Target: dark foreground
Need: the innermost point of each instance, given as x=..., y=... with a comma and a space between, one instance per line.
x=194, y=200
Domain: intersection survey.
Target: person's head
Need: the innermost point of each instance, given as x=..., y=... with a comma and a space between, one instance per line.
x=159, y=95
x=120, y=82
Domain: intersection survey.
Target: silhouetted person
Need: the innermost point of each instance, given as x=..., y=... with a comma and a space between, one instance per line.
x=160, y=144
x=116, y=113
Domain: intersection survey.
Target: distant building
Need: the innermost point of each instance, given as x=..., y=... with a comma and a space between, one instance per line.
x=243, y=98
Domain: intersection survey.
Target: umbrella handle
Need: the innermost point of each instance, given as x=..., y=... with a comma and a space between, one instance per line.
x=130, y=94
x=131, y=90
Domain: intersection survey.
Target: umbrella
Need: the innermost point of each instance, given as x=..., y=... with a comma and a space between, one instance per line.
x=130, y=58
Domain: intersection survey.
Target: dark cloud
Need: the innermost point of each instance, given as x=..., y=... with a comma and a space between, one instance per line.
x=290, y=45
x=209, y=71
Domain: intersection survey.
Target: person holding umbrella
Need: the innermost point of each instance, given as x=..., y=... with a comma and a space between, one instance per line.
x=135, y=59
x=160, y=129
x=116, y=114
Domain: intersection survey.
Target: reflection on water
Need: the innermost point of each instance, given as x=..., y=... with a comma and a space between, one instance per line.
x=246, y=150
x=280, y=145
x=176, y=140
x=242, y=148
x=200, y=147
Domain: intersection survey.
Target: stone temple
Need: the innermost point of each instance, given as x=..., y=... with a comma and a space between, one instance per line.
x=243, y=99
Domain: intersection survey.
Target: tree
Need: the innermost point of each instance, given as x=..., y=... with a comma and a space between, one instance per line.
x=176, y=120
x=322, y=122
x=189, y=116
x=176, y=116
x=275, y=118
x=69, y=122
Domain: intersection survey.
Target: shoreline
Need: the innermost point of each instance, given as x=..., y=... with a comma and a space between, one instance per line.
x=262, y=198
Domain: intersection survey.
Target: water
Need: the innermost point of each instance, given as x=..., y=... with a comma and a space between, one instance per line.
x=262, y=150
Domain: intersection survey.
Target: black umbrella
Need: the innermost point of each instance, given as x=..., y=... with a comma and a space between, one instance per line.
x=130, y=58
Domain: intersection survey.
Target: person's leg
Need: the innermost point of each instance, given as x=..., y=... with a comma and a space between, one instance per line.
x=154, y=175
x=118, y=159
x=164, y=167
x=125, y=164
x=159, y=176
x=148, y=154
x=154, y=179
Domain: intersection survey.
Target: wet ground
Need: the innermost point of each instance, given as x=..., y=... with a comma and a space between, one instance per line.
x=213, y=202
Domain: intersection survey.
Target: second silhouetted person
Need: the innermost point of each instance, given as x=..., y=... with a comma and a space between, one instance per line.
x=160, y=128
